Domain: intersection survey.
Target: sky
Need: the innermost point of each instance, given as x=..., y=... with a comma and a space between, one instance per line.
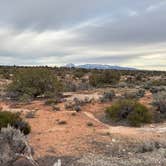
x=57, y=32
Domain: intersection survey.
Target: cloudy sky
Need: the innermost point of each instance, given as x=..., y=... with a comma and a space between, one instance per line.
x=55, y=32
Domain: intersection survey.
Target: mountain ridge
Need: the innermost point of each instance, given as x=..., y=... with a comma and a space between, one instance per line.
x=99, y=66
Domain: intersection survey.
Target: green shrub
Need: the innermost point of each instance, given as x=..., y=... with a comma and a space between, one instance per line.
x=134, y=94
x=23, y=126
x=130, y=95
x=141, y=93
x=51, y=102
x=157, y=89
x=5, y=73
x=129, y=111
x=98, y=79
x=14, y=120
x=33, y=82
x=79, y=73
x=160, y=102
x=159, y=82
x=30, y=115
x=107, y=96
x=139, y=115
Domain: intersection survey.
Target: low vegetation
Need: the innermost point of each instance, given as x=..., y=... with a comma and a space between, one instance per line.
x=14, y=145
x=107, y=96
x=130, y=112
x=136, y=94
x=98, y=79
x=74, y=98
x=31, y=83
x=14, y=120
x=160, y=102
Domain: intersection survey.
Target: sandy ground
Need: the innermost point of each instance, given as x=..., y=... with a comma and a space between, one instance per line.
x=75, y=138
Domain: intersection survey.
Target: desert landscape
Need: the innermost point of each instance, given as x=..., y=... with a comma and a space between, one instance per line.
x=82, y=83
x=73, y=126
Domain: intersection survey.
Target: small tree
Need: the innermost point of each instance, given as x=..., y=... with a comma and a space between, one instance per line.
x=34, y=82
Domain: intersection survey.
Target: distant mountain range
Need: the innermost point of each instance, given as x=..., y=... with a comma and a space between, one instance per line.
x=98, y=66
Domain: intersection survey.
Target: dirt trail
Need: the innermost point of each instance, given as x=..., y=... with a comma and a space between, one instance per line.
x=126, y=131
x=97, y=110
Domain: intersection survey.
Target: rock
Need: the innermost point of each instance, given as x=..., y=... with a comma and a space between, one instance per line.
x=113, y=140
x=22, y=162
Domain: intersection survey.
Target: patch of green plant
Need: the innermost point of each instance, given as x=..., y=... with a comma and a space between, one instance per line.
x=29, y=83
x=98, y=79
x=14, y=120
x=129, y=111
x=159, y=102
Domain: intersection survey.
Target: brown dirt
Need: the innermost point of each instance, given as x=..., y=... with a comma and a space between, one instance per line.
x=48, y=136
x=147, y=99
x=73, y=138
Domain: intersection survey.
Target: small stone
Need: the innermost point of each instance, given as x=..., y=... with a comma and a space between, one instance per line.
x=113, y=140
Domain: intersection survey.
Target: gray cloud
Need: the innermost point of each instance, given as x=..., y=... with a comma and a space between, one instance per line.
x=148, y=27
x=47, y=32
x=62, y=13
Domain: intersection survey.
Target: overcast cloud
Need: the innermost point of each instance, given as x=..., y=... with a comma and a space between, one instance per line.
x=55, y=32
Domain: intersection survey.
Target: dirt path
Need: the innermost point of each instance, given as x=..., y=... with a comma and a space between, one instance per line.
x=129, y=131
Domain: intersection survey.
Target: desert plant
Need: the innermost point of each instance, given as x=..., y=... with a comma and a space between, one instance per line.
x=134, y=94
x=77, y=108
x=107, y=96
x=51, y=101
x=129, y=111
x=159, y=82
x=141, y=93
x=122, y=84
x=157, y=89
x=160, y=102
x=76, y=104
x=139, y=115
x=15, y=120
x=34, y=82
x=131, y=95
x=69, y=86
x=79, y=73
x=23, y=126
x=14, y=145
x=98, y=79
x=30, y=114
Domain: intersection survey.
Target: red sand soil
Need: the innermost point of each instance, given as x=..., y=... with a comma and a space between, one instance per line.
x=50, y=138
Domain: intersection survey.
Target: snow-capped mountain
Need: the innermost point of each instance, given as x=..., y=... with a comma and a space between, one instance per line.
x=99, y=66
